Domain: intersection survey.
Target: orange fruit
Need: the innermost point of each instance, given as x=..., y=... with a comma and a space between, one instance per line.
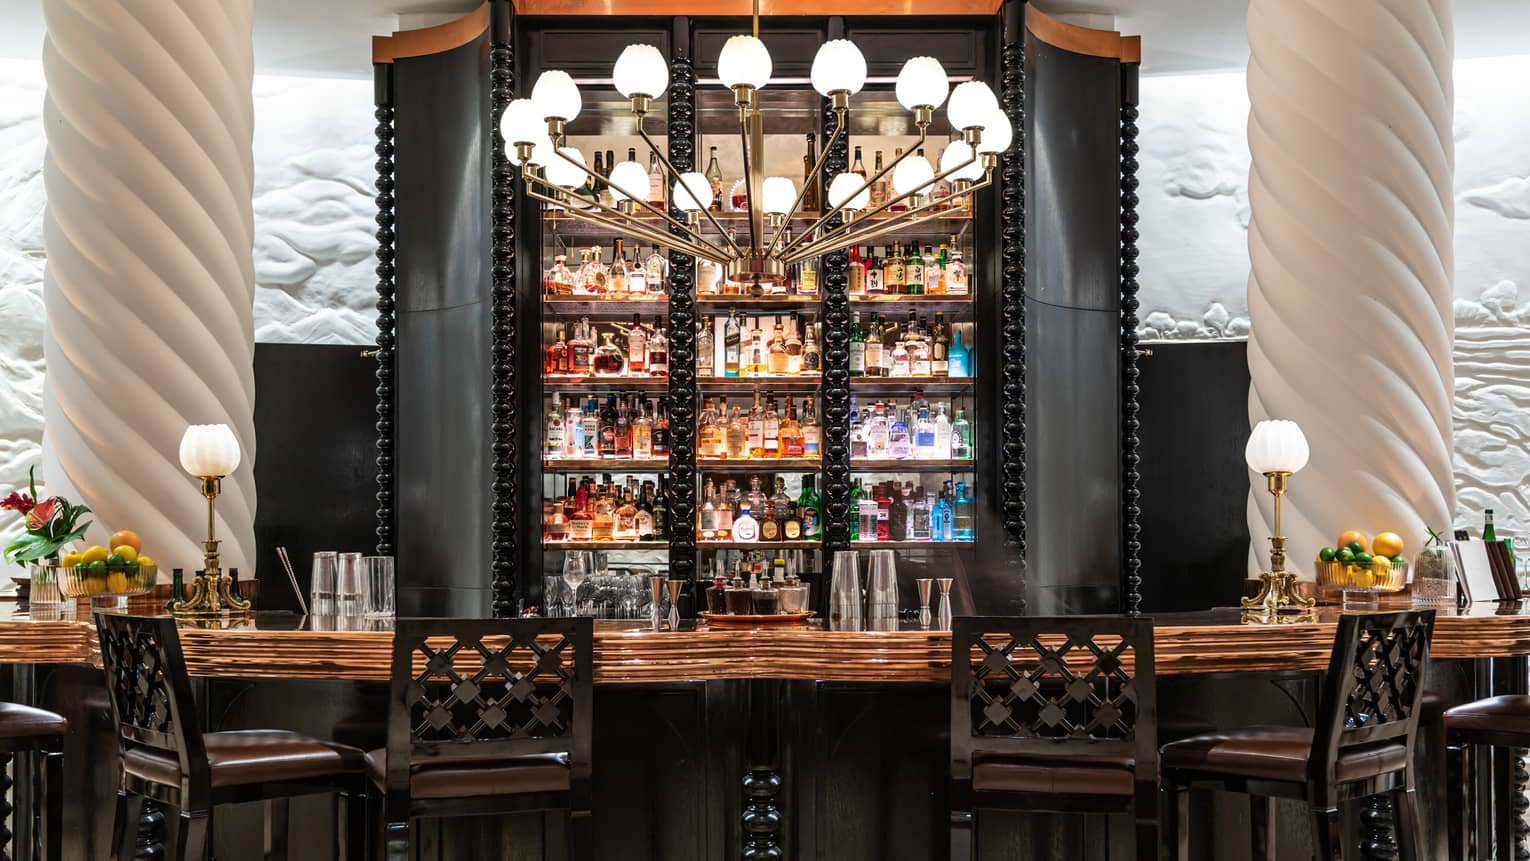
x=1387, y=544
x=128, y=537
x=1351, y=536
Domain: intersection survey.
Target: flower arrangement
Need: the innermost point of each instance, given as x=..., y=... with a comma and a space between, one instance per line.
x=50, y=524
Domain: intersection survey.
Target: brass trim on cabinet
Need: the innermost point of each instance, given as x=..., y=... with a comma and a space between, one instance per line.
x=1082, y=40
x=432, y=40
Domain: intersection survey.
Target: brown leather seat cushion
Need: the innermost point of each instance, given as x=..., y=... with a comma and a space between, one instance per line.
x=252, y=756
x=466, y=777
x=18, y=721
x=1505, y=714
x=1276, y=753
x=1082, y=775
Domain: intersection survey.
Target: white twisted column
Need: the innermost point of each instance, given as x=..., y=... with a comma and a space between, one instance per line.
x=150, y=281
x=1350, y=245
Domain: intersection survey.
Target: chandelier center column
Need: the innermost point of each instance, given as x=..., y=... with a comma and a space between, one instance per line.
x=150, y=283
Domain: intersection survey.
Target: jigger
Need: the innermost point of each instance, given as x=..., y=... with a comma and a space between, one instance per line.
x=943, y=611
x=924, y=584
x=674, y=603
x=656, y=608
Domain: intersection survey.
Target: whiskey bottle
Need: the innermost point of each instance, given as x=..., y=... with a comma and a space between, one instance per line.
x=812, y=434
x=794, y=344
x=661, y=432
x=778, y=361
x=704, y=348
x=736, y=435
x=637, y=348
x=655, y=181
x=732, y=346
x=812, y=359
x=772, y=428
x=714, y=177
x=875, y=286
x=791, y=433
x=878, y=187
x=810, y=196
x=709, y=433
x=581, y=348
x=913, y=271
x=658, y=349
x=857, y=346
x=617, y=280
x=892, y=271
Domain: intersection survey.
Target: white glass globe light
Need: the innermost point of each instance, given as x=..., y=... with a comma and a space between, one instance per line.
x=922, y=83
x=849, y=190
x=838, y=65
x=687, y=184
x=560, y=172
x=1276, y=445
x=209, y=450
x=641, y=70
x=957, y=153
x=521, y=123
x=631, y=176
x=971, y=102
x=997, y=133
x=780, y=193
x=913, y=174
x=744, y=61
x=556, y=95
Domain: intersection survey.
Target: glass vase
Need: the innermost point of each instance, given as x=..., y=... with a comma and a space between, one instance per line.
x=45, y=590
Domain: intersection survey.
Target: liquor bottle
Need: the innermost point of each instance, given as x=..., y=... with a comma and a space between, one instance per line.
x=709, y=432
x=706, y=517
x=935, y=270
x=581, y=348
x=599, y=170
x=727, y=499
x=757, y=428
x=807, y=277
x=892, y=271
x=586, y=196
x=961, y=436
x=902, y=205
x=770, y=525
x=961, y=518
x=581, y=525
x=877, y=434
x=943, y=187
x=647, y=524
x=879, y=186
x=913, y=270
x=919, y=516
x=808, y=508
x=780, y=503
x=883, y=496
x=714, y=177
x=855, y=276
x=617, y=280
x=872, y=353
x=900, y=443
x=900, y=365
x=656, y=268
x=942, y=434
x=924, y=435
x=661, y=432
x=755, y=498
x=857, y=167
x=732, y=349
x=745, y=528
x=655, y=181
x=558, y=281
x=875, y=286
x=708, y=278
x=624, y=520
x=555, y=360
x=1488, y=533
x=582, y=274
x=792, y=444
x=857, y=346
x=637, y=347
x=812, y=360
x=958, y=358
x=810, y=196
x=658, y=349
x=772, y=429
x=637, y=274
x=940, y=519
x=554, y=440
x=607, y=419
x=661, y=512
x=642, y=435
x=597, y=276
x=812, y=434
x=623, y=432
x=757, y=363
x=704, y=348
x=956, y=272
x=607, y=360
x=591, y=423
x=736, y=435
x=940, y=348
x=857, y=493
x=777, y=360
x=794, y=344
x=606, y=196
x=573, y=431
x=917, y=343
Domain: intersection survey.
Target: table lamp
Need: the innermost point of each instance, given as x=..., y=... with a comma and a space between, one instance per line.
x=209, y=452
x=1278, y=449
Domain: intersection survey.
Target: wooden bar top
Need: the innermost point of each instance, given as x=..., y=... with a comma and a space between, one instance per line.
x=284, y=645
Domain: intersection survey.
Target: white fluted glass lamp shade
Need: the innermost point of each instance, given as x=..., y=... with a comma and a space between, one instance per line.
x=209, y=450
x=692, y=192
x=838, y=66
x=779, y=194
x=631, y=176
x=521, y=123
x=849, y=190
x=641, y=70
x=744, y=61
x=957, y=153
x=922, y=83
x=560, y=172
x=913, y=174
x=997, y=132
x=556, y=95
x=971, y=102
x=1276, y=445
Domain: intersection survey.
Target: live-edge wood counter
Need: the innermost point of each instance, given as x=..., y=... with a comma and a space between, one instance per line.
x=280, y=645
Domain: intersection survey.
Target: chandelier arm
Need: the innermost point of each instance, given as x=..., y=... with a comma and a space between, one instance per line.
x=813, y=176
x=657, y=237
x=887, y=226
x=746, y=130
x=824, y=219
x=840, y=231
x=635, y=199
x=676, y=177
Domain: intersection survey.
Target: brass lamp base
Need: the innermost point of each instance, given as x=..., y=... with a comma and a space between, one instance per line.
x=212, y=590
x=1277, y=594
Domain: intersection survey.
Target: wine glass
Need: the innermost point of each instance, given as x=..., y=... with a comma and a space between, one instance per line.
x=576, y=568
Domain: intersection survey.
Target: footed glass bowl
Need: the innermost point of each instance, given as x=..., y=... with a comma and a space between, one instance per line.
x=1363, y=585
x=107, y=586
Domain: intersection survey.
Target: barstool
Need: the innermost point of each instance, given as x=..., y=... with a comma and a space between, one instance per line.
x=1053, y=714
x=26, y=730
x=1502, y=721
x=166, y=757
x=1361, y=743
x=487, y=716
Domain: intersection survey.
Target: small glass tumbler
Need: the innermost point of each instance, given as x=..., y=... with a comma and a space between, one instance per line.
x=350, y=585
x=321, y=588
x=379, y=586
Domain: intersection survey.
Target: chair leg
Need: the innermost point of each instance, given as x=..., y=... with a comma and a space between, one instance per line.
x=125, y=825
x=1503, y=801
x=354, y=831
x=396, y=841
x=1328, y=834
x=1410, y=835
x=1261, y=812
x=962, y=843
x=51, y=795
x=191, y=836
x=1172, y=808
x=581, y=836
x=276, y=829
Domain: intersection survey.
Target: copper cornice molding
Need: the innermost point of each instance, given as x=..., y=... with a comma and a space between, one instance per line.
x=742, y=8
x=432, y=40
x=1082, y=40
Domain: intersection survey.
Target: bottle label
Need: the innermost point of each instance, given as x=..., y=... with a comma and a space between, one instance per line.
x=857, y=357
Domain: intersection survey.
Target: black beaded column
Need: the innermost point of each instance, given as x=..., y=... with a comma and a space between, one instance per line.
x=502, y=315
x=5, y=806
x=382, y=75
x=1521, y=804
x=1012, y=184
x=1131, y=513
x=682, y=323
x=836, y=364
x=149, y=845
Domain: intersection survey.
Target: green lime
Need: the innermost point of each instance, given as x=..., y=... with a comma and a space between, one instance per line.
x=1345, y=555
x=115, y=561
x=1364, y=559
x=98, y=565
x=1398, y=562
x=1327, y=554
x=1355, y=547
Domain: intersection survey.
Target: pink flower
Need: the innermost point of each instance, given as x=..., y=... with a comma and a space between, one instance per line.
x=17, y=501
x=42, y=513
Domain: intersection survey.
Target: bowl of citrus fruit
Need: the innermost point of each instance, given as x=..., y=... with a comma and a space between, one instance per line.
x=106, y=575
x=1363, y=566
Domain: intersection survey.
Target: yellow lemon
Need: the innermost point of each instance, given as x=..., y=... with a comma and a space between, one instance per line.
x=69, y=560
x=95, y=585
x=1387, y=544
x=145, y=562
x=116, y=582
x=1361, y=578
x=93, y=554
x=127, y=552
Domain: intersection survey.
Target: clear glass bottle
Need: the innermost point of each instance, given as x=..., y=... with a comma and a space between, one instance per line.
x=961, y=518
x=608, y=361
x=573, y=431
x=807, y=277
x=942, y=449
x=736, y=437
x=559, y=281
x=637, y=348
x=794, y=344
x=899, y=438
x=714, y=177
x=877, y=434
x=956, y=272
x=792, y=443
x=597, y=277
x=772, y=429
x=732, y=347
x=706, y=518
x=756, y=427
x=812, y=433
x=553, y=441
x=582, y=274
x=709, y=433
x=637, y=275
x=642, y=436
x=616, y=279
x=812, y=359
x=920, y=514
x=581, y=348
x=708, y=278
x=705, y=348
x=655, y=181
x=656, y=268
x=778, y=361
x=961, y=436
x=658, y=349
x=924, y=435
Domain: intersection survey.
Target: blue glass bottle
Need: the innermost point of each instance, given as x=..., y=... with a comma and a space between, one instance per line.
x=958, y=358
x=961, y=516
x=940, y=519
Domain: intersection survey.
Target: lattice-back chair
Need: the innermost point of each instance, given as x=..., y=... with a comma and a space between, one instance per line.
x=1361, y=743
x=1053, y=714
x=165, y=756
x=488, y=716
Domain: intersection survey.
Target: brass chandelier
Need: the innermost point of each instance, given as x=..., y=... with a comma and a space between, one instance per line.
x=534, y=133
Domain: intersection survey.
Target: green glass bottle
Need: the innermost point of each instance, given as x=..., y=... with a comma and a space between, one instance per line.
x=857, y=347
x=808, y=508
x=857, y=493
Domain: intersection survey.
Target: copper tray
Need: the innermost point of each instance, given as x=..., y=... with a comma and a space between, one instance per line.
x=750, y=619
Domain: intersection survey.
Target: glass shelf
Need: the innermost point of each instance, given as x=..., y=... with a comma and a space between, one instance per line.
x=954, y=221
x=776, y=464
x=911, y=465
x=795, y=383
x=913, y=545
x=901, y=305
x=612, y=465
x=582, y=383
x=798, y=544
x=605, y=545
x=756, y=304
x=929, y=385
x=597, y=306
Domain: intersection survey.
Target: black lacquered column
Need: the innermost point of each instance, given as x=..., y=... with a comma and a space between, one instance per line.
x=836, y=359
x=382, y=76
x=1131, y=512
x=502, y=316
x=1012, y=273
x=682, y=321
